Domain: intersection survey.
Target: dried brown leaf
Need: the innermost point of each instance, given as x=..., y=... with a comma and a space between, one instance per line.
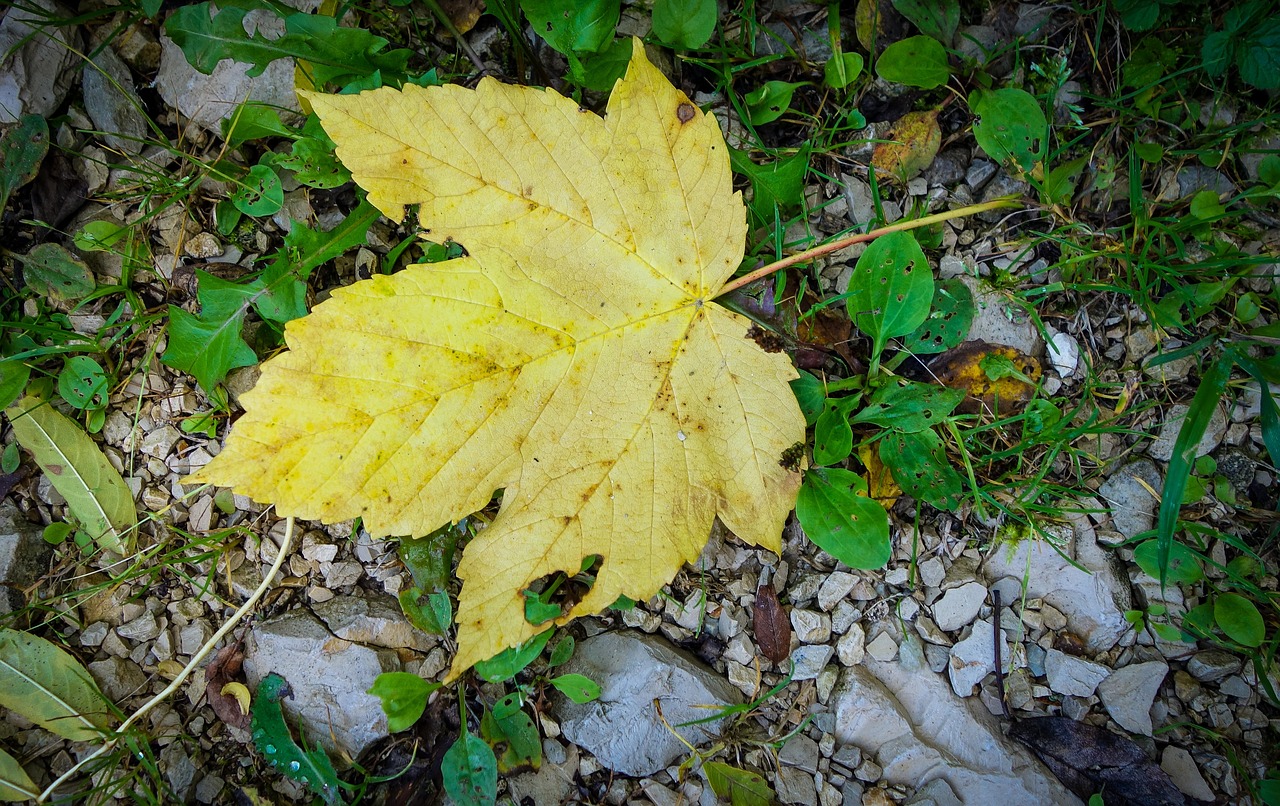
x=224, y=669
x=909, y=145
x=963, y=368
x=771, y=625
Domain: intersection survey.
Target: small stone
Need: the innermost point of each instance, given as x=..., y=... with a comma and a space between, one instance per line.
x=159, y=443
x=143, y=628
x=810, y=660
x=119, y=678
x=1181, y=767
x=1171, y=424
x=827, y=679
x=1128, y=693
x=193, y=636
x=1132, y=504
x=930, y=632
x=869, y=771
x=209, y=788
x=1185, y=686
x=979, y=172
x=932, y=572
x=800, y=751
x=1234, y=686
x=1077, y=677
x=834, y=588
x=972, y=659
x=883, y=648
x=959, y=606
x=94, y=634
x=851, y=648
x=1212, y=665
x=795, y=786
x=342, y=574
x=810, y=626
x=1064, y=354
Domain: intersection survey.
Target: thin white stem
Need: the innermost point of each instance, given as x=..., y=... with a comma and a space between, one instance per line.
x=188, y=669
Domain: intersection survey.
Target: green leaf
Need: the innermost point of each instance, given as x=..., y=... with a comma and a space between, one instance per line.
x=574, y=27
x=470, y=772
x=314, y=163
x=435, y=617
x=917, y=61
x=777, y=185
x=809, y=393
x=508, y=663
x=832, y=436
x=15, y=784
x=600, y=71
x=83, y=383
x=1239, y=619
x=947, y=325
x=1216, y=52
x=13, y=379
x=684, y=24
x=333, y=52
x=1011, y=128
x=1269, y=170
x=919, y=464
x=1149, y=152
x=1060, y=184
x=21, y=153
x=260, y=192
x=891, y=288
x=404, y=697
x=741, y=787
x=272, y=738
x=576, y=687
x=52, y=271
x=252, y=121
x=842, y=69
x=1258, y=55
x=936, y=18
x=850, y=527
x=76, y=467
x=99, y=236
x=1183, y=567
x=307, y=248
x=1206, y=206
x=430, y=559
x=10, y=458
x=56, y=533
x=769, y=101
x=562, y=651
x=210, y=345
x=44, y=684
x=515, y=739
x=909, y=406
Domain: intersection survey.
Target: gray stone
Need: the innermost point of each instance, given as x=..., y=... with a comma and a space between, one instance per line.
x=159, y=443
x=622, y=729
x=1182, y=768
x=778, y=37
x=932, y=572
x=974, y=658
x=112, y=103
x=959, y=606
x=918, y=730
x=810, y=626
x=1068, y=674
x=948, y=168
x=209, y=788
x=142, y=628
x=1162, y=448
x=119, y=678
x=330, y=678
x=861, y=204
x=1001, y=185
x=834, y=588
x=800, y=751
x=1133, y=507
x=1194, y=178
x=1129, y=692
x=551, y=784
x=24, y=556
x=977, y=44
x=179, y=770
x=37, y=60
x=935, y=793
x=810, y=660
x=852, y=646
x=883, y=647
x=997, y=320
x=795, y=786
x=1093, y=600
x=372, y=618
x=1213, y=664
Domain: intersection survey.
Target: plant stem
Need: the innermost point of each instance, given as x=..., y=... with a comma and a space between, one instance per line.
x=836, y=246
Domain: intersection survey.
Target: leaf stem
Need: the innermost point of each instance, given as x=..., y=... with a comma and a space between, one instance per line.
x=837, y=245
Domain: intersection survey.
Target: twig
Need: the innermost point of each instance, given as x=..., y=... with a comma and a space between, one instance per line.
x=836, y=246
x=187, y=670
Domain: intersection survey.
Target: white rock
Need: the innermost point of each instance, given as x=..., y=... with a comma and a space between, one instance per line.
x=160, y=442
x=851, y=648
x=959, y=606
x=932, y=572
x=1129, y=692
x=1064, y=353
x=810, y=626
x=883, y=647
x=810, y=660
x=834, y=588
x=974, y=658
x=1068, y=674
x=1182, y=768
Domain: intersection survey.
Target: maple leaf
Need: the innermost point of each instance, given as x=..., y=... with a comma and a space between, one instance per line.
x=574, y=359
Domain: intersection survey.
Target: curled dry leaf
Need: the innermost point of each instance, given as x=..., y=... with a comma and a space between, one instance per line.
x=771, y=625
x=221, y=676
x=909, y=146
x=996, y=378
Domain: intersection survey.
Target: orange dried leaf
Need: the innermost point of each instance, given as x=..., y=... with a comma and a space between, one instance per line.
x=911, y=144
x=969, y=367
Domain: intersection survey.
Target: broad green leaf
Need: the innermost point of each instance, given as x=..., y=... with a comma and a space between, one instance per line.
x=572, y=357
x=100, y=235
x=842, y=69
x=1258, y=54
x=920, y=465
x=307, y=248
x=470, y=772
x=1206, y=206
x=740, y=787
x=809, y=394
x=574, y=27
x=253, y=121
x=1149, y=152
x=832, y=436
x=891, y=288
x=77, y=469
x=83, y=383
x=1183, y=568
x=21, y=153
x=600, y=71
x=936, y=18
x=576, y=687
x=840, y=519
x=918, y=61
x=562, y=651
x=332, y=51
x=51, y=271
x=274, y=741
x=260, y=193
x=313, y=163
x=769, y=101
x=435, y=616
x=404, y=698
x=514, y=738
x=430, y=559
x=777, y=185
x=909, y=406
x=1011, y=127
x=210, y=345
x=14, y=375
x=508, y=663
x=1239, y=619
x=684, y=24
x=46, y=685
x=947, y=325
x=15, y=784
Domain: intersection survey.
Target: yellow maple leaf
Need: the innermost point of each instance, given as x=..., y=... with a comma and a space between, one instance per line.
x=574, y=358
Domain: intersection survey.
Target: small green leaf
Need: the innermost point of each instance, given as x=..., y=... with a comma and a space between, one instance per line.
x=252, y=121
x=891, y=289
x=57, y=533
x=537, y=611
x=404, y=697
x=809, y=393
x=83, y=383
x=259, y=193
x=917, y=61
x=514, y=739
x=52, y=271
x=909, y=406
x=15, y=784
x=510, y=662
x=1239, y=619
x=1206, y=207
x=314, y=163
x=10, y=458
x=1258, y=55
x=850, y=527
x=470, y=772
x=769, y=101
x=21, y=152
x=684, y=24
x=777, y=185
x=936, y=18
x=562, y=651
x=1184, y=566
x=947, y=325
x=919, y=464
x=832, y=436
x=13, y=380
x=842, y=70
x=574, y=27
x=210, y=345
x=99, y=236
x=576, y=687
x=740, y=787
x=1011, y=128
x=1149, y=152
x=272, y=738
x=42, y=683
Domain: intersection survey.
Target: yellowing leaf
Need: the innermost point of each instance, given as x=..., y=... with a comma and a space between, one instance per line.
x=996, y=377
x=909, y=145
x=240, y=692
x=575, y=359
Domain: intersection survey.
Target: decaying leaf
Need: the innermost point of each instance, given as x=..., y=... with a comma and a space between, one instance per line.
x=464, y=14
x=575, y=359
x=909, y=145
x=880, y=483
x=996, y=378
x=811, y=335
x=224, y=671
x=771, y=625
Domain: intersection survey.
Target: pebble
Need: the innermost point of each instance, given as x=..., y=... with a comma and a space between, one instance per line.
x=159, y=443
x=810, y=660
x=1181, y=767
x=851, y=648
x=341, y=574
x=1212, y=665
x=883, y=648
x=979, y=172
x=1128, y=693
x=959, y=606
x=795, y=786
x=1077, y=677
x=1234, y=686
x=833, y=590
x=932, y=572
x=800, y=751
x=94, y=634
x=810, y=626
x=1171, y=423
x=972, y=659
x=143, y=628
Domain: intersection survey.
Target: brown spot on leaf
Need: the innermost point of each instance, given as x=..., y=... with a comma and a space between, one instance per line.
x=684, y=112
x=55, y=469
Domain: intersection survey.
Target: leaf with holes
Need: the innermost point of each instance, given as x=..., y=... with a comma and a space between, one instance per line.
x=836, y=514
x=891, y=288
x=949, y=320
x=470, y=771
x=21, y=152
x=82, y=383
x=52, y=271
x=575, y=358
x=919, y=464
x=908, y=406
x=272, y=738
x=1011, y=128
